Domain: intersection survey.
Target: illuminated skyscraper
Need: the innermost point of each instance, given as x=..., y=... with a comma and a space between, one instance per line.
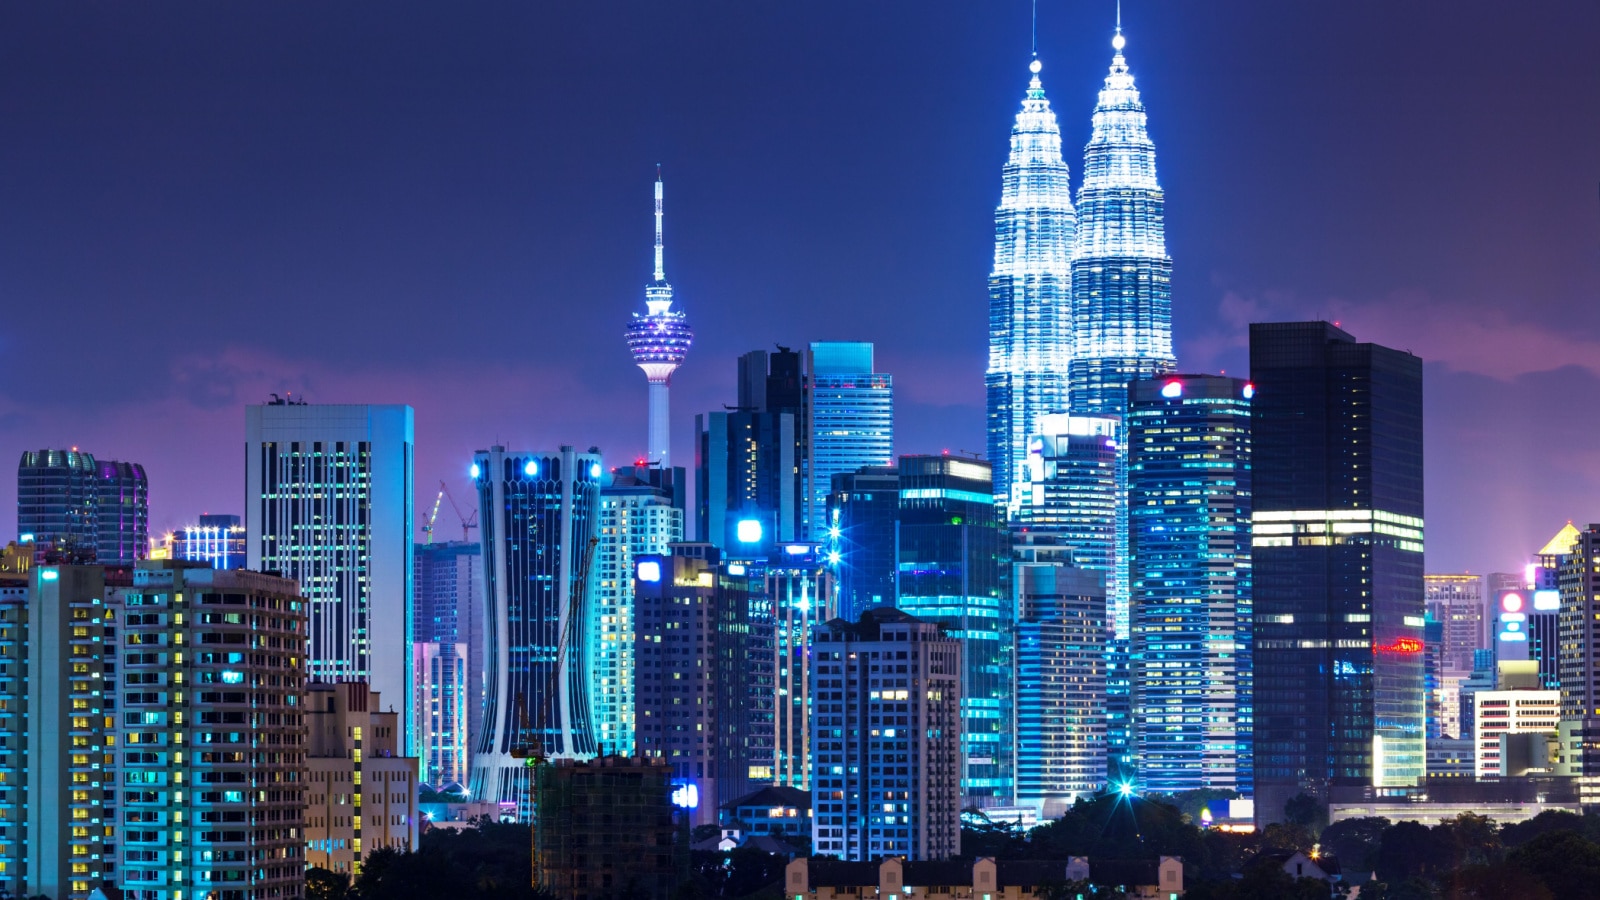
x=1030, y=313
x=1121, y=274
x=90, y=510
x=850, y=414
x=641, y=513
x=328, y=503
x=659, y=340
x=1189, y=496
x=539, y=512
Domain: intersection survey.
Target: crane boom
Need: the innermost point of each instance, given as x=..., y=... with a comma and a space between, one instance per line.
x=433, y=516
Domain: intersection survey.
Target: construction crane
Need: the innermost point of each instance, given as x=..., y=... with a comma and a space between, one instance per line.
x=530, y=748
x=467, y=524
x=433, y=516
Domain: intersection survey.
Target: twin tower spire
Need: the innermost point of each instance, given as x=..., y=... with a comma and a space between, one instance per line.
x=1080, y=299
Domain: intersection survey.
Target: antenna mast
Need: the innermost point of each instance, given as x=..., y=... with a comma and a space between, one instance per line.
x=661, y=269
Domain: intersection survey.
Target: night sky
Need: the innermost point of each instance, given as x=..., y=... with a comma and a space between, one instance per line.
x=449, y=206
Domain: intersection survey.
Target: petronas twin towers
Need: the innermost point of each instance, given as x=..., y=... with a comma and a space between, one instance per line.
x=1080, y=301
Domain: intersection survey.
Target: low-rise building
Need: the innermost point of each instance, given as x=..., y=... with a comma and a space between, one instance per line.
x=774, y=810
x=363, y=791
x=984, y=879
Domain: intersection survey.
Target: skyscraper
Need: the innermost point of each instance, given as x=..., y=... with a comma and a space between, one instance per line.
x=1189, y=492
x=328, y=503
x=447, y=658
x=801, y=593
x=212, y=733
x=887, y=738
x=1030, y=313
x=750, y=461
x=90, y=510
x=850, y=417
x=1061, y=677
x=1458, y=602
x=1121, y=274
x=954, y=569
x=862, y=514
x=1337, y=535
x=659, y=341
x=1071, y=494
x=641, y=513
x=540, y=511
x=691, y=646
x=1579, y=579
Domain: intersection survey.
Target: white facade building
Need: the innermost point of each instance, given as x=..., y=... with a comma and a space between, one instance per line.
x=328, y=503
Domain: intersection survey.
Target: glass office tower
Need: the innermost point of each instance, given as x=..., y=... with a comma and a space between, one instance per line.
x=1189, y=507
x=850, y=416
x=954, y=560
x=1030, y=311
x=539, y=512
x=1337, y=535
x=860, y=542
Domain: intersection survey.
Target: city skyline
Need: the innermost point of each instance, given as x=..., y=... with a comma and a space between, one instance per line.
x=215, y=213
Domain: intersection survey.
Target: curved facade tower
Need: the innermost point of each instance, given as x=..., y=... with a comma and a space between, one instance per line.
x=540, y=512
x=659, y=341
x=1121, y=274
x=1030, y=312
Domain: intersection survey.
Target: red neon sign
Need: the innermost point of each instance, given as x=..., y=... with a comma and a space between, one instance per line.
x=1401, y=645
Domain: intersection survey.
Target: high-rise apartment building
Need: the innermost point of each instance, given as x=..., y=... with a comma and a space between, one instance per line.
x=447, y=658
x=886, y=738
x=692, y=687
x=1337, y=535
x=1458, y=602
x=850, y=417
x=1030, y=288
x=641, y=513
x=954, y=558
x=659, y=341
x=89, y=510
x=1121, y=273
x=211, y=734
x=862, y=513
x=361, y=786
x=58, y=760
x=801, y=593
x=329, y=504
x=1189, y=484
x=751, y=462
x=1060, y=678
x=216, y=540
x=540, y=513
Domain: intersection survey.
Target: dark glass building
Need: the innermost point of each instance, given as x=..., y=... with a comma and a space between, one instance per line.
x=750, y=461
x=1189, y=494
x=539, y=512
x=447, y=658
x=862, y=512
x=88, y=510
x=692, y=689
x=953, y=560
x=1337, y=557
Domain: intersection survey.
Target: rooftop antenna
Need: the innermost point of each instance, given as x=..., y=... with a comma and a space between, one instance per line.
x=1036, y=28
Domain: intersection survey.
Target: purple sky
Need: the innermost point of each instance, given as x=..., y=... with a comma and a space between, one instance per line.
x=449, y=206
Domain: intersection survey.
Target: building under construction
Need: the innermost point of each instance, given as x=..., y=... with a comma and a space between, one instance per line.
x=608, y=827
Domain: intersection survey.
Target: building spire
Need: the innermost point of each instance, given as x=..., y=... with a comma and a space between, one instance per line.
x=661, y=269
x=1036, y=28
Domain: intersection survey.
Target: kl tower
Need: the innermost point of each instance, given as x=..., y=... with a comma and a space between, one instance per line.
x=659, y=340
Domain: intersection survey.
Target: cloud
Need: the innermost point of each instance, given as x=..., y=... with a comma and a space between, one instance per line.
x=1483, y=340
